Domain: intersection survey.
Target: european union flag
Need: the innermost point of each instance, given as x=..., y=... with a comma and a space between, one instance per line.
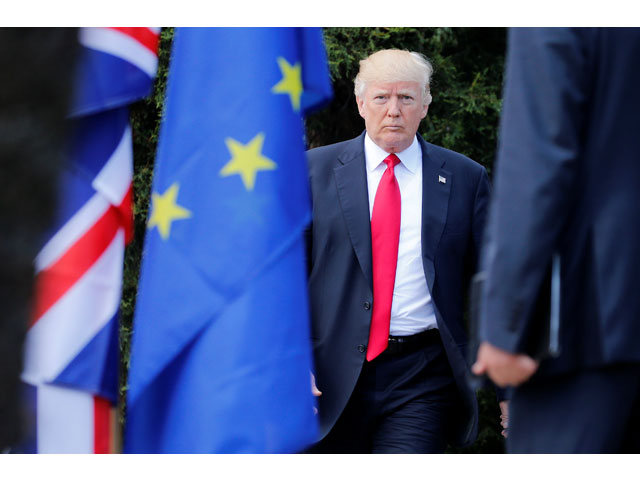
x=221, y=357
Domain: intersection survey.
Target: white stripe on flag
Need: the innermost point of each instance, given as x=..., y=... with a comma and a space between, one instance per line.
x=70, y=232
x=113, y=182
x=114, y=179
x=69, y=325
x=120, y=45
x=65, y=420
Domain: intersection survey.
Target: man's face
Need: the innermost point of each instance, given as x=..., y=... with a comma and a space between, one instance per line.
x=392, y=113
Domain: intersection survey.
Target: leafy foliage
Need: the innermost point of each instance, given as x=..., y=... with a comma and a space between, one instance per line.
x=145, y=119
x=466, y=87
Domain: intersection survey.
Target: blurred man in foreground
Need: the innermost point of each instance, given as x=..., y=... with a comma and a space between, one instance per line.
x=567, y=183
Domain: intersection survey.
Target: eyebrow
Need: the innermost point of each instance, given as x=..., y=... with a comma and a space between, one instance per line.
x=408, y=93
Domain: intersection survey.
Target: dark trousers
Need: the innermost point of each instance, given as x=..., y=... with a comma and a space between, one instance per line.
x=591, y=411
x=402, y=403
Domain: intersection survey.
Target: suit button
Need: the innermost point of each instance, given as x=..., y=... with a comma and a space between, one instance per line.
x=366, y=305
x=361, y=348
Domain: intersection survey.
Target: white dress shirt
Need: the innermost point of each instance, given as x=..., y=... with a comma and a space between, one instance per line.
x=412, y=307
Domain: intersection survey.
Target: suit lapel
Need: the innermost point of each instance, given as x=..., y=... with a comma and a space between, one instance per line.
x=436, y=187
x=351, y=181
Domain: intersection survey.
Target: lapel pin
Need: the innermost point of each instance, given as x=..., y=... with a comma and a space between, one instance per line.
x=441, y=179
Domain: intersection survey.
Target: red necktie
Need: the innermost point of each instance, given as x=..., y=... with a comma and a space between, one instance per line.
x=385, y=234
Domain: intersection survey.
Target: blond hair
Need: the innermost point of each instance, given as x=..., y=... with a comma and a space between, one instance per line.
x=386, y=66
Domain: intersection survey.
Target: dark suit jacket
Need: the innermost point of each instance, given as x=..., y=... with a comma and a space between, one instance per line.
x=340, y=282
x=568, y=181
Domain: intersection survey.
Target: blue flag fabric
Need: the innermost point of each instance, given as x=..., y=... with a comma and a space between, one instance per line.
x=221, y=357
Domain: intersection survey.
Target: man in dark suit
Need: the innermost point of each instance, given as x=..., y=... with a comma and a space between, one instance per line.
x=397, y=225
x=567, y=183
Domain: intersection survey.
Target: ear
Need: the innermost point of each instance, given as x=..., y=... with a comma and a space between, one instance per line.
x=425, y=109
x=360, y=102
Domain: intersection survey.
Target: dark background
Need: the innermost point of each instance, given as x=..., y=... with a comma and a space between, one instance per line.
x=35, y=90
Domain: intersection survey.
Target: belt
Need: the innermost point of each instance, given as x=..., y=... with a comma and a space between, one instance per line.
x=412, y=343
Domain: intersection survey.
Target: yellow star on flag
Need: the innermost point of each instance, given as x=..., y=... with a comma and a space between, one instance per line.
x=246, y=160
x=291, y=82
x=165, y=210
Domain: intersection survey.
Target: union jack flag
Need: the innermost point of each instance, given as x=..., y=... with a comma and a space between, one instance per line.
x=71, y=350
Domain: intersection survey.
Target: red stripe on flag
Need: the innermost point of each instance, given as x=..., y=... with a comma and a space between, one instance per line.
x=53, y=282
x=126, y=214
x=144, y=36
x=102, y=425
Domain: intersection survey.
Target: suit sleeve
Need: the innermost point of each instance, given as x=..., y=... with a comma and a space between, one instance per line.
x=481, y=207
x=308, y=231
x=545, y=98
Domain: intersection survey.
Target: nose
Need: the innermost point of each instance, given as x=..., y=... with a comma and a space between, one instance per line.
x=394, y=107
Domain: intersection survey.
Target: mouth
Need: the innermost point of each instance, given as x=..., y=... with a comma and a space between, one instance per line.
x=393, y=127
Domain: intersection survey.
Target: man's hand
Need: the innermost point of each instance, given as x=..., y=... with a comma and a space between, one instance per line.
x=504, y=417
x=504, y=368
x=314, y=391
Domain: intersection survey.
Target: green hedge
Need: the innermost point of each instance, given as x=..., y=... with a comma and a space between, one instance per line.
x=145, y=117
x=466, y=88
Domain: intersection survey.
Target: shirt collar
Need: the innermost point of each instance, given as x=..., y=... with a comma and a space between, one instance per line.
x=411, y=157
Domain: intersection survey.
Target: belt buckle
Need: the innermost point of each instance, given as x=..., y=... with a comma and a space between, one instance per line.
x=394, y=345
